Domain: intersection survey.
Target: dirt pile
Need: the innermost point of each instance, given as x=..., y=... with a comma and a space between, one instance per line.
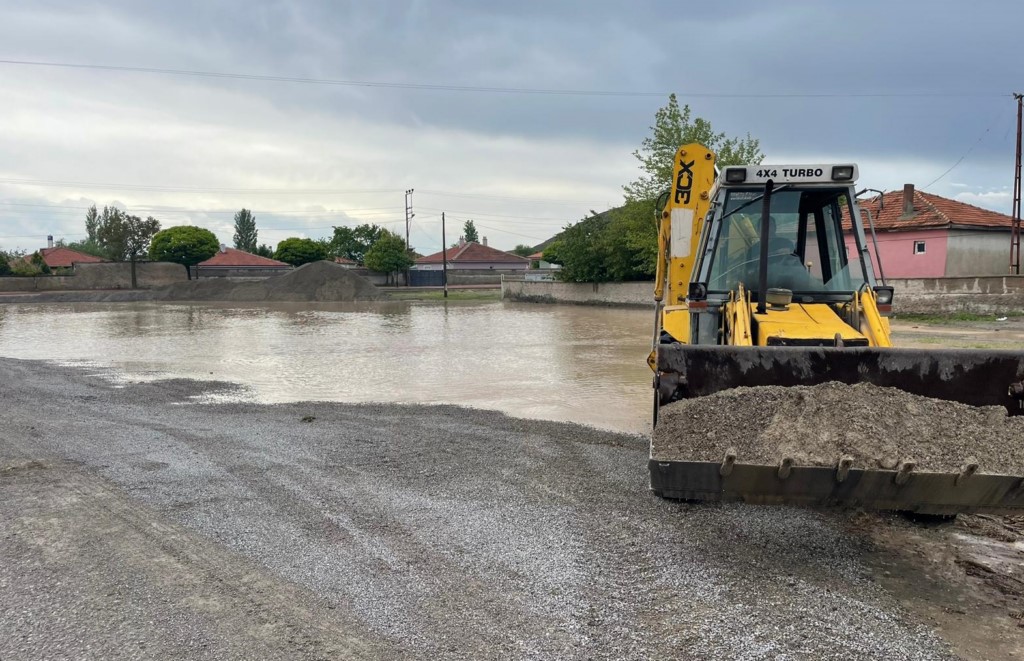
x=318, y=281
x=815, y=425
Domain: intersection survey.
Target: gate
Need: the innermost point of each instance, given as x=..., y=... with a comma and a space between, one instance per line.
x=419, y=278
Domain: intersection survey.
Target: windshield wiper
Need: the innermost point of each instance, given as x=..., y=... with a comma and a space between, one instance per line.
x=756, y=199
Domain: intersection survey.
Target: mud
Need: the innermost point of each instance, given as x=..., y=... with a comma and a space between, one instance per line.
x=392, y=532
x=317, y=281
x=965, y=577
x=816, y=425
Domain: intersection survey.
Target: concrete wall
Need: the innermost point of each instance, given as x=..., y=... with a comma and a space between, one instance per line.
x=584, y=293
x=381, y=279
x=897, y=252
x=106, y=275
x=507, y=267
x=221, y=272
x=981, y=295
x=977, y=252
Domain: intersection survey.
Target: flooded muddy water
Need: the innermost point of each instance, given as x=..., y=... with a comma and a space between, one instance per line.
x=570, y=363
x=554, y=362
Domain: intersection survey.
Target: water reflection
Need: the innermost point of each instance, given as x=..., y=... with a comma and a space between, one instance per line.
x=553, y=362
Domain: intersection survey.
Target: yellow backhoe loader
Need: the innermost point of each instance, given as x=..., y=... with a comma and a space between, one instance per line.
x=765, y=277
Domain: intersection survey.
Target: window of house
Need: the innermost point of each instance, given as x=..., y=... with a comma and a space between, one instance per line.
x=918, y=247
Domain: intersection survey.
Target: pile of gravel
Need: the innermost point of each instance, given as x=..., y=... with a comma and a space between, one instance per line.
x=815, y=425
x=317, y=281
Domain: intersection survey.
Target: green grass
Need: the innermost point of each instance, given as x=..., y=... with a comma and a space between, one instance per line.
x=927, y=340
x=952, y=316
x=453, y=295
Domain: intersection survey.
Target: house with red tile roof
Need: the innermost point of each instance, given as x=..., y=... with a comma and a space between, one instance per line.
x=346, y=262
x=470, y=255
x=231, y=261
x=922, y=235
x=537, y=262
x=60, y=257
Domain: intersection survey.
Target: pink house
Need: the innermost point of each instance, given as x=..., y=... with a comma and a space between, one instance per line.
x=921, y=235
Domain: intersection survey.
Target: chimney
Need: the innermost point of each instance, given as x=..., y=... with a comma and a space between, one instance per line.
x=908, y=199
x=462, y=241
x=485, y=240
x=49, y=241
x=223, y=248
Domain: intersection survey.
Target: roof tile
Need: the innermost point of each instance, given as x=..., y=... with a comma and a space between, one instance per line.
x=930, y=211
x=240, y=258
x=61, y=257
x=473, y=252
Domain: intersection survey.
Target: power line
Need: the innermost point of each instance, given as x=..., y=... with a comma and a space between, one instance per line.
x=159, y=209
x=262, y=229
x=194, y=189
x=968, y=152
x=503, y=215
x=178, y=188
x=512, y=198
x=498, y=229
x=489, y=89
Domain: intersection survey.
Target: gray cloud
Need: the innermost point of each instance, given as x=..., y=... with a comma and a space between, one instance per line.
x=165, y=130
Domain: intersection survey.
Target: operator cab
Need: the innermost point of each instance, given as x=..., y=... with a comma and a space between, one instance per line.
x=809, y=251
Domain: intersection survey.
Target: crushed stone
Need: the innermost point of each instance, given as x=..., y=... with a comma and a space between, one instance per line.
x=446, y=533
x=816, y=425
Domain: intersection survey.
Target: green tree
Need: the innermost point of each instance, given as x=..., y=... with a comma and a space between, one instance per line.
x=297, y=251
x=92, y=223
x=5, y=267
x=89, y=247
x=635, y=224
x=184, y=244
x=469, y=232
x=523, y=250
x=245, y=231
x=326, y=247
x=39, y=264
x=263, y=250
x=674, y=127
x=553, y=253
x=616, y=245
x=353, y=242
x=388, y=255
x=125, y=237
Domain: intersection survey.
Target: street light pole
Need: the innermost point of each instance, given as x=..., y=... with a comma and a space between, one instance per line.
x=1015, y=231
x=408, y=216
x=444, y=258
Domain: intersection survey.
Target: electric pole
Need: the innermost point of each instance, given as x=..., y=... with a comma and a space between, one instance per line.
x=444, y=259
x=408, y=216
x=1015, y=232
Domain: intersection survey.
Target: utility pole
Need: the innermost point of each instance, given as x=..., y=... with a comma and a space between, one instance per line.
x=408, y=216
x=1015, y=232
x=444, y=258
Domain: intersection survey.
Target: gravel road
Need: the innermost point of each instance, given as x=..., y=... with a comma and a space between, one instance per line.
x=155, y=520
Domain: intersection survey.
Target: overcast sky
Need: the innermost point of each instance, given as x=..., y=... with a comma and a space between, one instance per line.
x=305, y=157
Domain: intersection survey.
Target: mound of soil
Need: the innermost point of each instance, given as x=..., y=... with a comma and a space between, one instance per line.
x=317, y=281
x=816, y=425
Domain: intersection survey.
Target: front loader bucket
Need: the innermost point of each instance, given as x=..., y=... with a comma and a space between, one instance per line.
x=817, y=486
x=977, y=378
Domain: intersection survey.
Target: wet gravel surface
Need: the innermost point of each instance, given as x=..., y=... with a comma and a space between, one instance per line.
x=440, y=532
x=816, y=425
